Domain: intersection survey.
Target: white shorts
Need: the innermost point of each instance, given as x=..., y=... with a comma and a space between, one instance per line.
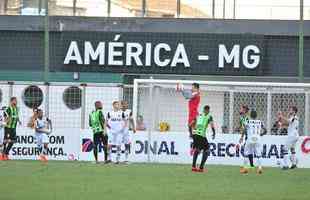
x=290, y=142
x=41, y=138
x=126, y=137
x=252, y=148
x=1, y=135
x=115, y=138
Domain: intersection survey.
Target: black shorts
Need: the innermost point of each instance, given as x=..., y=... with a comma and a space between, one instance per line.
x=100, y=138
x=200, y=143
x=10, y=134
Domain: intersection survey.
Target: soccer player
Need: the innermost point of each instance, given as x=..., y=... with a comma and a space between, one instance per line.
x=97, y=124
x=254, y=130
x=116, y=124
x=129, y=125
x=193, y=96
x=243, y=121
x=12, y=117
x=2, y=125
x=42, y=130
x=292, y=137
x=200, y=139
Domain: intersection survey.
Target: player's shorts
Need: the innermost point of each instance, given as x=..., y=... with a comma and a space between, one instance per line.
x=1, y=135
x=100, y=138
x=252, y=148
x=116, y=138
x=200, y=142
x=126, y=137
x=41, y=138
x=290, y=142
x=10, y=134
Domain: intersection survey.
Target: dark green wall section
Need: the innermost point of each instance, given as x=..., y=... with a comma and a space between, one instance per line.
x=60, y=77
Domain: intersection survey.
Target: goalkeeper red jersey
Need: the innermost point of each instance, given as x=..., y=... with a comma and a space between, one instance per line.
x=193, y=106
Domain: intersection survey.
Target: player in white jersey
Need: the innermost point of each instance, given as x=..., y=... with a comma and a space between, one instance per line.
x=42, y=129
x=292, y=137
x=2, y=125
x=116, y=125
x=254, y=130
x=129, y=125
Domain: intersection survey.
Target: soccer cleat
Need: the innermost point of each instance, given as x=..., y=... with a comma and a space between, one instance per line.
x=293, y=167
x=194, y=169
x=244, y=170
x=1, y=157
x=5, y=157
x=107, y=161
x=202, y=170
x=43, y=158
x=259, y=170
x=285, y=168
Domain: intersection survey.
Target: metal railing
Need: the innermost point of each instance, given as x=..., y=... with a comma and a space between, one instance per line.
x=219, y=9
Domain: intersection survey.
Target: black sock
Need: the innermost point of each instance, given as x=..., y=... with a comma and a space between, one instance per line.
x=204, y=159
x=251, y=160
x=4, y=148
x=190, y=130
x=8, y=148
x=195, y=156
x=105, y=150
x=96, y=152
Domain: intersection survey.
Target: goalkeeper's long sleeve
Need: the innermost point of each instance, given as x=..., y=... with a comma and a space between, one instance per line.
x=187, y=94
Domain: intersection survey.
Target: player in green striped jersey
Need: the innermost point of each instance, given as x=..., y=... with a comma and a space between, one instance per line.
x=12, y=118
x=200, y=138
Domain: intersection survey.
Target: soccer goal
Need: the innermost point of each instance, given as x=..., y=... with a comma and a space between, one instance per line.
x=163, y=109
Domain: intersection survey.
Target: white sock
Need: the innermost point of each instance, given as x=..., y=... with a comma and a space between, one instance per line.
x=259, y=162
x=109, y=153
x=293, y=159
x=126, y=155
x=118, y=154
x=285, y=160
x=245, y=161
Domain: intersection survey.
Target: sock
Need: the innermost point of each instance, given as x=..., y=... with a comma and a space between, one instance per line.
x=285, y=160
x=109, y=153
x=245, y=161
x=127, y=149
x=293, y=158
x=1, y=149
x=195, y=156
x=190, y=130
x=105, y=150
x=8, y=148
x=204, y=159
x=118, y=153
x=251, y=160
x=4, y=148
x=96, y=152
x=40, y=149
x=259, y=162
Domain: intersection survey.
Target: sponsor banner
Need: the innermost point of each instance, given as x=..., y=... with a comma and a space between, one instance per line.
x=76, y=144
x=63, y=145
x=175, y=148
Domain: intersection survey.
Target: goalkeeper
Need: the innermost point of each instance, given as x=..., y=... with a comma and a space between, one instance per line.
x=193, y=96
x=200, y=138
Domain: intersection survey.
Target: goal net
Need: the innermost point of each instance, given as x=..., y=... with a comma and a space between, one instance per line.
x=163, y=109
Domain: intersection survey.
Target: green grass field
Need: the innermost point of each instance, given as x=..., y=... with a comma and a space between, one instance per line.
x=30, y=180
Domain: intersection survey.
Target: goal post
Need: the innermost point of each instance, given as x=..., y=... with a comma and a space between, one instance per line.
x=158, y=101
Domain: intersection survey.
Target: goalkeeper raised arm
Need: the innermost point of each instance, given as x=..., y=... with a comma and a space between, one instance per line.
x=193, y=97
